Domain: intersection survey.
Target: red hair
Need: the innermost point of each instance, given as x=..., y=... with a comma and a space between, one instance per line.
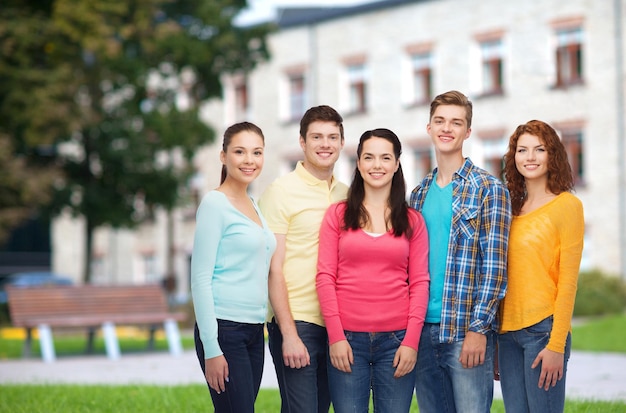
x=560, y=178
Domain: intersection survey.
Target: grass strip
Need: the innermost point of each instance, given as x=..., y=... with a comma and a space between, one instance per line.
x=187, y=398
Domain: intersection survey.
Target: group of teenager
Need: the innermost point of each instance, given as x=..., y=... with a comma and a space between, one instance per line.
x=369, y=298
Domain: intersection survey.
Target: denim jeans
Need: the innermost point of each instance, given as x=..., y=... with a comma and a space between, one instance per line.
x=243, y=347
x=520, y=384
x=372, y=369
x=303, y=390
x=443, y=385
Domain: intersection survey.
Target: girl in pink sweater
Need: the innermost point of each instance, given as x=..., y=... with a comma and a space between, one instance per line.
x=372, y=283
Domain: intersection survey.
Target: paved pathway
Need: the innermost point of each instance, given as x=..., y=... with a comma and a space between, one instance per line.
x=590, y=375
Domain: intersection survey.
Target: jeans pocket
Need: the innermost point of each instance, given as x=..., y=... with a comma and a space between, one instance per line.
x=349, y=335
x=397, y=336
x=228, y=325
x=542, y=328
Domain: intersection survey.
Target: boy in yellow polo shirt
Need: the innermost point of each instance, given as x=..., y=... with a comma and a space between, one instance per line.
x=293, y=206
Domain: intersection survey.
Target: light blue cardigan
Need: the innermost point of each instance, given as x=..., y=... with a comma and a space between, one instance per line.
x=229, y=268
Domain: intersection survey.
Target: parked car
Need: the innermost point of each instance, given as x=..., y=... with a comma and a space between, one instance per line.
x=31, y=279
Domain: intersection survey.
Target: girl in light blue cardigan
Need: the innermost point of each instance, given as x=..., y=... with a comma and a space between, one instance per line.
x=229, y=269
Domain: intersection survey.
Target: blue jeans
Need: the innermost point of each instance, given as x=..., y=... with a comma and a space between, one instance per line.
x=372, y=369
x=243, y=347
x=443, y=385
x=516, y=352
x=303, y=390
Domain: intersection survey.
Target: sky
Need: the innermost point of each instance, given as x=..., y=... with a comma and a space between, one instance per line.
x=263, y=10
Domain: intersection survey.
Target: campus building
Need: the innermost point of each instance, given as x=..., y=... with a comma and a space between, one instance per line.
x=380, y=64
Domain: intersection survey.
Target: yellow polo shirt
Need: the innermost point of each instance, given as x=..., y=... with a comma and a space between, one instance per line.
x=294, y=205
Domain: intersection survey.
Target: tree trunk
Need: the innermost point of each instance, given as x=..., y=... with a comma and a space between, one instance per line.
x=89, y=228
x=170, y=281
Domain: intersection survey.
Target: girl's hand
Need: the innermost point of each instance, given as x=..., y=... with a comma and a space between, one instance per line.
x=216, y=369
x=404, y=361
x=551, y=368
x=341, y=356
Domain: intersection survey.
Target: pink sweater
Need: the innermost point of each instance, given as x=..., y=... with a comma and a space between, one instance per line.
x=372, y=284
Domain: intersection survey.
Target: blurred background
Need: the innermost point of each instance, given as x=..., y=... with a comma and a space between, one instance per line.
x=111, y=111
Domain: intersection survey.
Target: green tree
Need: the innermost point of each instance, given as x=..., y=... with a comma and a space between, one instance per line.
x=75, y=80
x=27, y=170
x=22, y=188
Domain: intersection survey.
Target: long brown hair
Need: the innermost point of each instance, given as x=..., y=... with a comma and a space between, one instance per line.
x=560, y=178
x=356, y=215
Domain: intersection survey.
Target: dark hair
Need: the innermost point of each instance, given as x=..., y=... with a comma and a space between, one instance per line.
x=356, y=215
x=233, y=130
x=560, y=178
x=321, y=113
x=456, y=98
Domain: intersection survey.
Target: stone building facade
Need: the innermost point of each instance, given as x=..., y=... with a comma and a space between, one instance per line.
x=380, y=64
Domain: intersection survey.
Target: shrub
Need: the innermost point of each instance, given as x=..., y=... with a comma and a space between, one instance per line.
x=599, y=294
x=4, y=314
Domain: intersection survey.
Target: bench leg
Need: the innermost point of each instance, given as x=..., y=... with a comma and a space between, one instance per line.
x=28, y=343
x=173, y=337
x=46, y=343
x=110, y=341
x=91, y=333
x=152, y=330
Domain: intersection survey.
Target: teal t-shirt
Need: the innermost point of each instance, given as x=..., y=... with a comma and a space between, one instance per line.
x=437, y=212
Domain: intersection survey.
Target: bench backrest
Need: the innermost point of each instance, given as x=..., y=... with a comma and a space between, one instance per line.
x=62, y=300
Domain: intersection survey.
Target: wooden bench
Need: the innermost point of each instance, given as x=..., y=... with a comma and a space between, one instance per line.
x=92, y=307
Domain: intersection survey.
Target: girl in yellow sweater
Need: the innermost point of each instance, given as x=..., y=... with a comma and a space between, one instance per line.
x=545, y=248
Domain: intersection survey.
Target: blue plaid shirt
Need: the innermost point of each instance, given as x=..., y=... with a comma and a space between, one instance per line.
x=475, y=279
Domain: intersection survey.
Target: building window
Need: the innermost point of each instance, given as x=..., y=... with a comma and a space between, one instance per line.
x=98, y=273
x=494, y=164
x=569, y=65
x=423, y=162
x=241, y=100
x=150, y=272
x=492, y=56
x=297, y=96
x=494, y=145
x=573, y=142
x=357, y=88
x=421, y=64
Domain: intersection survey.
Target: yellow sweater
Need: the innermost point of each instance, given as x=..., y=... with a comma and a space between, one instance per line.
x=545, y=248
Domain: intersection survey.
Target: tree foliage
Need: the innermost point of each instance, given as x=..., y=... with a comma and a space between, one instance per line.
x=77, y=96
x=21, y=188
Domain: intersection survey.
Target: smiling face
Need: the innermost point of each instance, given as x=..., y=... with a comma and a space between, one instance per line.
x=321, y=146
x=377, y=163
x=243, y=157
x=448, y=129
x=531, y=158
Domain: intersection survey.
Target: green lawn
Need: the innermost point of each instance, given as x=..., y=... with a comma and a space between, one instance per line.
x=598, y=334
x=602, y=334
x=154, y=399
x=67, y=345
